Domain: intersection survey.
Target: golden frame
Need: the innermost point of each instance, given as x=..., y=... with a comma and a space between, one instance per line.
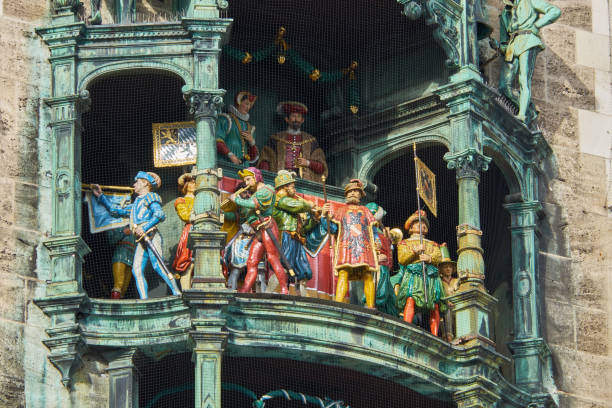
x=171, y=147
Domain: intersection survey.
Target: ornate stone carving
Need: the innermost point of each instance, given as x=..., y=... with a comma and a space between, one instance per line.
x=468, y=163
x=204, y=103
x=442, y=15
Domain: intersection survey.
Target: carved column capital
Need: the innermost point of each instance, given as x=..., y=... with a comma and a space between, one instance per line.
x=468, y=163
x=204, y=104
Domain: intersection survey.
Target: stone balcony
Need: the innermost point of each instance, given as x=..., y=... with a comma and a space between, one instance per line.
x=304, y=329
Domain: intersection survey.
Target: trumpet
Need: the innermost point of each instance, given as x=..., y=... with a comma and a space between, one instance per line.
x=237, y=193
x=87, y=187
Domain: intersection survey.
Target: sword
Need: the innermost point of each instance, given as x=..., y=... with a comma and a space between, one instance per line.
x=160, y=260
x=281, y=254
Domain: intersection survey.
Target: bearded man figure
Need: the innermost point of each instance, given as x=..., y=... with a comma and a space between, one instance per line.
x=294, y=149
x=355, y=255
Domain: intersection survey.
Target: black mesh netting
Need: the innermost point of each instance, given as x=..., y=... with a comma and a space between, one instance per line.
x=246, y=379
x=398, y=61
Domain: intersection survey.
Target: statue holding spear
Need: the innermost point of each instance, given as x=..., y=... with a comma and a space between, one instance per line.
x=420, y=287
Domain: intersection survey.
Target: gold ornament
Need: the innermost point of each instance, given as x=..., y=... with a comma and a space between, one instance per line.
x=315, y=75
x=247, y=58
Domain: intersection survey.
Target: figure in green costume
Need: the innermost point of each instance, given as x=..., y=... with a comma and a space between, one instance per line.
x=411, y=255
x=287, y=213
x=385, y=296
x=235, y=141
x=519, y=26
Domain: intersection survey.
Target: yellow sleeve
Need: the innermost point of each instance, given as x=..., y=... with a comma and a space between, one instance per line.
x=436, y=254
x=184, y=208
x=405, y=254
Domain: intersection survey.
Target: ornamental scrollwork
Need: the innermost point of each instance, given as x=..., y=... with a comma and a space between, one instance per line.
x=204, y=104
x=468, y=164
x=442, y=15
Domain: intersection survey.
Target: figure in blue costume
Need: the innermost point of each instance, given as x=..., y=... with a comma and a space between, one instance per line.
x=235, y=141
x=144, y=213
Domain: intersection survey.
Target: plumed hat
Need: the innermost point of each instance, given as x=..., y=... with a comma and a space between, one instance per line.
x=415, y=218
x=283, y=178
x=151, y=177
x=286, y=108
x=355, y=184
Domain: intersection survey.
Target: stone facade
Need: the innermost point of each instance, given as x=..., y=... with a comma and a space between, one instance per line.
x=572, y=90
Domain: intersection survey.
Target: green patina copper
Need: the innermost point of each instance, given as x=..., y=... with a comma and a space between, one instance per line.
x=461, y=113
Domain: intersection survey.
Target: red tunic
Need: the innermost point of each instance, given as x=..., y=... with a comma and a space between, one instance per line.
x=355, y=246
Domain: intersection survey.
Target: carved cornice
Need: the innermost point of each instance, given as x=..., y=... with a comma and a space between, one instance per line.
x=67, y=246
x=204, y=103
x=136, y=32
x=61, y=35
x=467, y=164
x=200, y=25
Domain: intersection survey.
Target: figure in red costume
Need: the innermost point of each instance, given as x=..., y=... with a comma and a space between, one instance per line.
x=259, y=216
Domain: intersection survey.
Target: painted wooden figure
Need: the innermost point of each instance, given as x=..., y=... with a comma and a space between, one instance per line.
x=144, y=214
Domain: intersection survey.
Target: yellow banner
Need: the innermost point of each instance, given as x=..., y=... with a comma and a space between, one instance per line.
x=426, y=180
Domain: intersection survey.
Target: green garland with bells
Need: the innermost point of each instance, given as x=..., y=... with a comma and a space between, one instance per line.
x=284, y=53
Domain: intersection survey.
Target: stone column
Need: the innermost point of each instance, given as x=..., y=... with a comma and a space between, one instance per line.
x=123, y=379
x=64, y=293
x=531, y=354
x=472, y=303
x=208, y=338
x=465, y=101
x=205, y=99
x=206, y=237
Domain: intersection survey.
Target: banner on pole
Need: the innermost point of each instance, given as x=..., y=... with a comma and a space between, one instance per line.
x=99, y=218
x=426, y=180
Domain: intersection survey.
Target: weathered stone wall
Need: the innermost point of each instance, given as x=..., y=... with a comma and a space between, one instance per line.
x=24, y=188
x=26, y=376
x=572, y=91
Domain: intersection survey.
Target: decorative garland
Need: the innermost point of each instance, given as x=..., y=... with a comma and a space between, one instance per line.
x=284, y=53
x=257, y=403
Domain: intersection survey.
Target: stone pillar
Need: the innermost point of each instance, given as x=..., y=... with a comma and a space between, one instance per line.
x=465, y=101
x=123, y=379
x=472, y=304
x=208, y=338
x=531, y=354
x=205, y=100
x=206, y=237
x=64, y=293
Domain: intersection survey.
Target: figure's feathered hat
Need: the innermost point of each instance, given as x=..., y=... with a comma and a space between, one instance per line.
x=283, y=178
x=446, y=259
x=415, y=218
x=355, y=184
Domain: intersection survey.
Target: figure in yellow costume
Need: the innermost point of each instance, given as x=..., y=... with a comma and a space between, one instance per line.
x=183, y=263
x=411, y=253
x=123, y=255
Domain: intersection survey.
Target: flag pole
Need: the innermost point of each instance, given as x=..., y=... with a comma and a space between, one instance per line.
x=416, y=172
